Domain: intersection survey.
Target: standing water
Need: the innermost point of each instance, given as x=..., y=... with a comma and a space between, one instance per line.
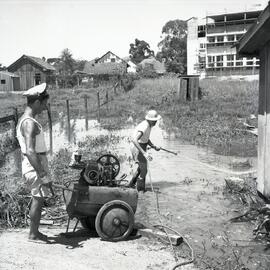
x=164, y=167
x=191, y=190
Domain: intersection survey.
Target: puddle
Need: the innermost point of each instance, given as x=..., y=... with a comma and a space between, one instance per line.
x=164, y=167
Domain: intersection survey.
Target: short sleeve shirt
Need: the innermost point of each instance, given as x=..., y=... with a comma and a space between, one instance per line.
x=145, y=128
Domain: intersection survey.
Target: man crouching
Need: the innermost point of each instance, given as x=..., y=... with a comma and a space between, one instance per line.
x=34, y=159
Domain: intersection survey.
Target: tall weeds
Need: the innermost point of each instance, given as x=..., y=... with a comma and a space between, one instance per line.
x=212, y=121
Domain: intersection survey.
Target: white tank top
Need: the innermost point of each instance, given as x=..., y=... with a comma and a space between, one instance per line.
x=40, y=146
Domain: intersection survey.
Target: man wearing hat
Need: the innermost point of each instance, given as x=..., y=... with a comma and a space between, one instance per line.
x=34, y=160
x=139, y=151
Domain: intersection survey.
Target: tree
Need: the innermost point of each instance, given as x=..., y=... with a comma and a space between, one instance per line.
x=67, y=61
x=173, y=47
x=139, y=51
x=66, y=67
x=2, y=67
x=79, y=64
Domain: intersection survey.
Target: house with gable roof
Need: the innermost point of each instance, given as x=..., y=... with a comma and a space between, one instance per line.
x=32, y=71
x=109, y=65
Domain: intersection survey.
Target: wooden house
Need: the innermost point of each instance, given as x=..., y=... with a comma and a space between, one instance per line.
x=9, y=81
x=256, y=43
x=32, y=71
x=107, y=69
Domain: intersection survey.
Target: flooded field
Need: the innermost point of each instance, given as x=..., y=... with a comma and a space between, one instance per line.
x=192, y=196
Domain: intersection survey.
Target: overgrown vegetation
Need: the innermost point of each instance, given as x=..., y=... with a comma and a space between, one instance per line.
x=213, y=121
x=14, y=198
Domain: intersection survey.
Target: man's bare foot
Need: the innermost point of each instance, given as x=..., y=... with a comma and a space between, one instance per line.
x=38, y=237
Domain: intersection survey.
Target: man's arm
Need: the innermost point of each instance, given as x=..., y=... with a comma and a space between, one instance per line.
x=152, y=145
x=135, y=141
x=29, y=133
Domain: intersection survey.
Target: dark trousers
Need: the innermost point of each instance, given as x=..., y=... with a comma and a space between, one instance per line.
x=140, y=173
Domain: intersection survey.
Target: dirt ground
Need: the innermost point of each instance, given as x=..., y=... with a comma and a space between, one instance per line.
x=195, y=202
x=82, y=250
x=192, y=199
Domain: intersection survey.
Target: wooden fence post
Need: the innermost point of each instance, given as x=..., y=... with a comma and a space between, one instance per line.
x=107, y=100
x=14, y=122
x=68, y=119
x=98, y=102
x=50, y=126
x=86, y=112
x=16, y=116
x=114, y=88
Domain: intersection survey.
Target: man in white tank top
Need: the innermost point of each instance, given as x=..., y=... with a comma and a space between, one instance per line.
x=139, y=151
x=34, y=160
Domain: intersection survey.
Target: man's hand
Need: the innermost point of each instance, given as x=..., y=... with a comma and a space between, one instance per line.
x=48, y=184
x=157, y=148
x=148, y=156
x=46, y=180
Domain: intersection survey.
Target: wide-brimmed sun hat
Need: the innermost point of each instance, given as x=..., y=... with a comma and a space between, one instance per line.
x=152, y=115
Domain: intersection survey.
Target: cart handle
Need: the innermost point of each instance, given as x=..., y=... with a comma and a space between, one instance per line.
x=51, y=189
x=62, y=187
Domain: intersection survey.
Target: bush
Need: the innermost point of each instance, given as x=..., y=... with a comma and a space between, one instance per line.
x=128, y=81
x=147, y=72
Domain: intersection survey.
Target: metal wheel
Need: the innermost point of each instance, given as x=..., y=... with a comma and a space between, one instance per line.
x=114, y=221
x=88, y=222
x=110, y=160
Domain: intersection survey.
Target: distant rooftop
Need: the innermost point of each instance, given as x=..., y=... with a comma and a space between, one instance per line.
x=38, y=61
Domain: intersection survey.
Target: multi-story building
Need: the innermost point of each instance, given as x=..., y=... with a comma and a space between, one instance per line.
x=211, y=45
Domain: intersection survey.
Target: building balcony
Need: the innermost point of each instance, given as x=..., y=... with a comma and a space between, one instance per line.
x=232, y=64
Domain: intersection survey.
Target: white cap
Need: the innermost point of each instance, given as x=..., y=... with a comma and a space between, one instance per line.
x=152, y=115
x=36, y=90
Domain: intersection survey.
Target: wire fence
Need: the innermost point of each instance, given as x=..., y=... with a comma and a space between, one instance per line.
x=103, y=98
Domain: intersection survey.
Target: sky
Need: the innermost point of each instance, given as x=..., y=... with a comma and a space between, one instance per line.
x=90, y=28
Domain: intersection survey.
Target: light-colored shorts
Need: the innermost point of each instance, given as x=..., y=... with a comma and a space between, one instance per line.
x=33, y=182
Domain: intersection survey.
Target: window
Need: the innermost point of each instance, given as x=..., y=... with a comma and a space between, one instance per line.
x=211, y=39
x=202, y=61
x=230, y=59
x=219, y=60
x=211, y=61
x=230, y=38
x=3, y=81
x=201, y=27
x=220, y=39
x=202, y=45
x=37, y=78
x=249, y=61
x=201, y=31
x=113, y=60
x=239, y=61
